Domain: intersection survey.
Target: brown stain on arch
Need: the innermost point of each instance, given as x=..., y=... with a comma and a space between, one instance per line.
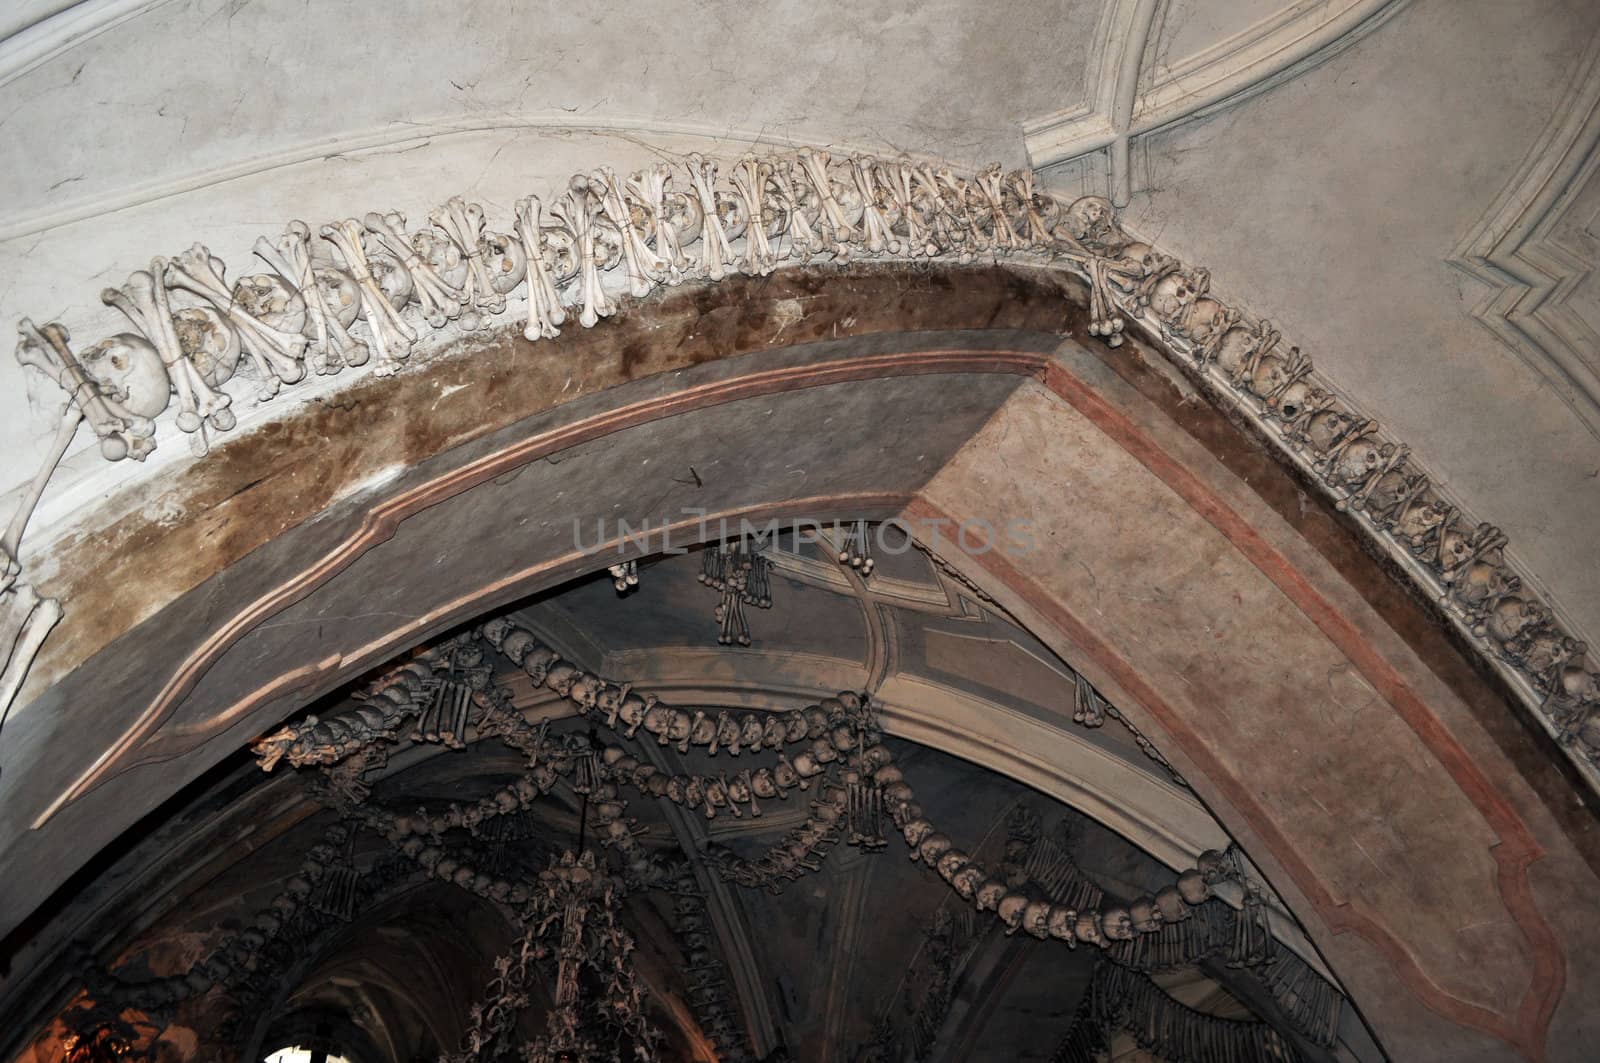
x=252, y=488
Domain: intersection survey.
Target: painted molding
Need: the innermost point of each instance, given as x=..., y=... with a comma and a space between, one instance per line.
x=1297, y=38
x=1534, y=271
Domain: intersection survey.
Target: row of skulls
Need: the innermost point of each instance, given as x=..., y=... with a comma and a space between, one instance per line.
x=364, y=290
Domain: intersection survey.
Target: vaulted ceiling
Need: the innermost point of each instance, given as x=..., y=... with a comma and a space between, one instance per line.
x=1317, y=519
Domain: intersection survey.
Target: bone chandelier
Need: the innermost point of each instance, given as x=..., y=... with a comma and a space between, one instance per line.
x=569, y=912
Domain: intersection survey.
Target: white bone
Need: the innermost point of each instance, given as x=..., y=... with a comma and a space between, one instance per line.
x=649, y=188
x=804, y=241
x=898, y=179
x=716, y=253
x=576, y=210
x=990, y=185
x=391, y=336
x=750, y=181
x=814, y=164
x=121, y=434
x=277, y=353
x=439, y=300
x=875, y=227
x=143, y=300
x=463, y=223
x=334, y=347
x=545, y=313
x=645, y=267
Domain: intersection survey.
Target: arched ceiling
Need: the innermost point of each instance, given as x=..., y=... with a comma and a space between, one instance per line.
x=869, y=952
x=1426, y=236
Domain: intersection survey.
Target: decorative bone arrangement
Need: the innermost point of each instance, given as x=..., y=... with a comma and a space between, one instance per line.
x=365, y=292
x=832, y=750
x=742, y=574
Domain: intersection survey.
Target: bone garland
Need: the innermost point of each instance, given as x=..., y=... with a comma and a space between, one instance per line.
x=619, y=708
x=798, y=852
x=707, y=793
x=333, y=347
x=1242, y=363
x=143, y=300
x=276, y=352
x=237, y=954
x=391, y=336
x=545, y=313
x=709, y=996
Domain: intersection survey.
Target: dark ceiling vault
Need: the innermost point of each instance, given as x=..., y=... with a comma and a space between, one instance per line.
x=361, y=892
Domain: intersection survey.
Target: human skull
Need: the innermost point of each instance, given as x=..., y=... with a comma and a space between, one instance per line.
x=1060, y=922
x=1091, y=220
x=1358, y=462
x=1116, y=924
x=989, y=893
x=1146, y=915
x=1171, y=905
x=1011, y=908
x=966, y=881
x=933, y=847
x=270, y=300
x=950, y=864
x=1192, y=887
x=128, y=368
x=505, y=260
x=1036, y=919
x=209, y=341
x=341, y=295
x=1087, y=929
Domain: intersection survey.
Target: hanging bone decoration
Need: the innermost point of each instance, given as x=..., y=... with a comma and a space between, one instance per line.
x=831, y=751
x=855, y=551
x=1122, y=999
x=742, y=575
x=624, y=576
